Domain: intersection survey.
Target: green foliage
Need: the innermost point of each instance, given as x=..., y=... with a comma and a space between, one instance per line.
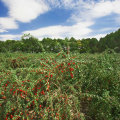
x=68, y=86
x=111, y=41
x=30, y=44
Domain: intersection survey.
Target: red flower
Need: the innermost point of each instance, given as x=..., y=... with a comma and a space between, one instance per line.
x=46, y=76
x=58, y=54
x=20, y=90
x=39, y=87
x=71, y=69
x=6, y=118
x=43, y=93
x=40, y=106
x=6, y=85
x=51, y=75
x=33, y=102
x=14, y=92
x=21, y=113
x=11, y=116
x=71, y=75
x=68, y=63
x=11, y=89
x=62, y=71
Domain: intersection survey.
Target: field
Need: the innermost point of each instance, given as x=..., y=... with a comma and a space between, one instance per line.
x=49, y=86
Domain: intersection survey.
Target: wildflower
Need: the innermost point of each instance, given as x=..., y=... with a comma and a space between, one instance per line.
x=46, y=76
x=11, y=116
x=51, y=75
x=21, y=113
x=33, y=102
x=71, y=69
x=24, y=92
x=6, y=118
x=14, y=92
x=58, y=54
x=40, y=106
x=20, y=90
x=68, y=63
x=71, y=75
x=39, y=87
x=33, y=88
x=62, y=71
x=11, y=89
x=43, y=93
x=57, y=114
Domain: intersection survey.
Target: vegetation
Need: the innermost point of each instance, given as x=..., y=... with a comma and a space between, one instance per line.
x=59, y=86
x=29, y=44
x=51, y=80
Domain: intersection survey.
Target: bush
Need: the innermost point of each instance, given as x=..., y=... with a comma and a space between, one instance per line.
x=59, y=86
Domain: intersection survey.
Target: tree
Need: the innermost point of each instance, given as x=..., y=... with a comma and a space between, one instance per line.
x=73, y=44
x=31, y=44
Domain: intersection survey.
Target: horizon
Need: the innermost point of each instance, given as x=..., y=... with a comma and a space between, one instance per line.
x=58, y=18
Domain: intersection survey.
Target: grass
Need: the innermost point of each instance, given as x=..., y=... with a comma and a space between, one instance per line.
x=48, y=86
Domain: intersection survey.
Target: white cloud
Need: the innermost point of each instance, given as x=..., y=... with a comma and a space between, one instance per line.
x=9, y=37
x=97, y=36
x=91, y=10
x=54, y=3
x=8, y=23
x=78, y=30
x=2, y=30
x=26, y=10
x=84, y=14
x=108, y=29
x=116, y=6
x=71, y=3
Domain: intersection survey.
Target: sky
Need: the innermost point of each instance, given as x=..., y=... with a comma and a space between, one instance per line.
x=58, y=18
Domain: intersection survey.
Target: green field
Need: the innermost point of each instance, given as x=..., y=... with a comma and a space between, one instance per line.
x=59, y=86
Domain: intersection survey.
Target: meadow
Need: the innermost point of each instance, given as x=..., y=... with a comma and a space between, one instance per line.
x=59, y=86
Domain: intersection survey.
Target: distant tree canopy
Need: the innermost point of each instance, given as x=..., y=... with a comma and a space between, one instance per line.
x=28, y=43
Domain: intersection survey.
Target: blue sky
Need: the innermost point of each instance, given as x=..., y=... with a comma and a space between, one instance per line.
x=58, y=18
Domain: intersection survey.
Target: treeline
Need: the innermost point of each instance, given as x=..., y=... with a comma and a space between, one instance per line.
x=28, y=43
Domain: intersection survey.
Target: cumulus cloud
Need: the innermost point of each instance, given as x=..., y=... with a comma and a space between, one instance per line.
x=2, y=30
x=78, y=30
x=26, y=10
x=108, y=29
x=83, y=15
x=92, y=9
x=23, y=11
x=9, y=37
x=7, y=23
x=98, y=36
